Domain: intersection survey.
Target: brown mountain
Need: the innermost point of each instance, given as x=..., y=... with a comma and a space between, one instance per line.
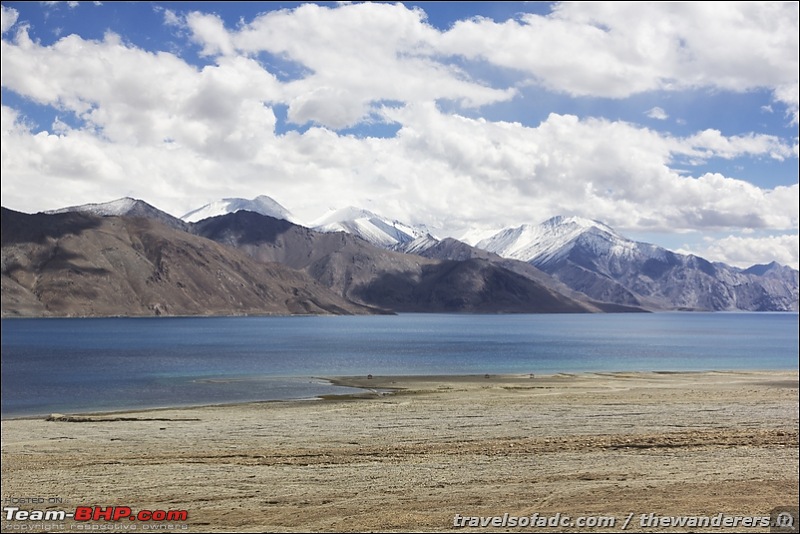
x=78, y=264
x=394, y=281
x=452, y=249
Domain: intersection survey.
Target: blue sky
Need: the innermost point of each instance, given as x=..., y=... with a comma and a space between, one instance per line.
x=675, y=123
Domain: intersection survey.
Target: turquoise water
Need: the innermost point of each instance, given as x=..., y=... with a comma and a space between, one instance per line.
x=70, y=365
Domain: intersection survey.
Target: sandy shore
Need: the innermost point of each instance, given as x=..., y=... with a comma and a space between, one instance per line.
x=614, y=444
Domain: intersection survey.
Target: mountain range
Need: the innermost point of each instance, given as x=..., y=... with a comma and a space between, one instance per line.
x=87, y=262
x=590, y=257
x=373, y=228
x=81, y=264
x=239, y=256
x=261, y=204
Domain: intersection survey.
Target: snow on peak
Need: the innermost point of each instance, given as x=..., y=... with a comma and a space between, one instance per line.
x=553, y=238
x=418, y=245
x=261, y=204
x=379, y=231
x=473, y=236
x=350, y=213
x=561, y=221
x=118, y=207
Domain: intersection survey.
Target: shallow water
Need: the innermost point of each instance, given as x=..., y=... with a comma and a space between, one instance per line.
x=70, y=365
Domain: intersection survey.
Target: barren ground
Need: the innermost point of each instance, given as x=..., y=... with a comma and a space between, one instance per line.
x=610, y=444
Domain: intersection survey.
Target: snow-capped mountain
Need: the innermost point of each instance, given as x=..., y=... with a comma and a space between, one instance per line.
x=592, y=258
x=126, y=206
x=261, y=204
x=121, y=206
x=418, y=245
x=553, y=239
x=585, y=255
x=373, y=228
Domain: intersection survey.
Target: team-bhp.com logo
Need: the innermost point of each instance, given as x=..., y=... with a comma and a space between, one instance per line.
x=94, y=513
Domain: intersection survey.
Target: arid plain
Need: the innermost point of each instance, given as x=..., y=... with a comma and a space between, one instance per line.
x=412, y=452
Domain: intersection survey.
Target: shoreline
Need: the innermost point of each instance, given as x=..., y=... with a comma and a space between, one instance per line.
x=394, y=384
x=611, y=444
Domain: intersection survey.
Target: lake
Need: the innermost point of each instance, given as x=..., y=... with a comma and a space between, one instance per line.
x=107, y=364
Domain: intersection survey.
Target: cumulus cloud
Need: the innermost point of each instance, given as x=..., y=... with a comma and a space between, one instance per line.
x=711, y=143
x=217, y=119
x=746, y=251
x=171, y=18
x=209, y=31
x=789, y=94
x=355, y=55
x=153, y=126
x=8, y=17
x=657, y=113
x=613, y=171
x=617, y=49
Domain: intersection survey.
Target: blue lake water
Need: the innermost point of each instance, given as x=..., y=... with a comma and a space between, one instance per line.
x=73, y=365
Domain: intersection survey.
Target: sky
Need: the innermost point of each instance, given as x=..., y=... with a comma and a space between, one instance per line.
x=674, y=123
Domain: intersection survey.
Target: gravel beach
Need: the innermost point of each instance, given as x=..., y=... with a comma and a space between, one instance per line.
x=418, y=453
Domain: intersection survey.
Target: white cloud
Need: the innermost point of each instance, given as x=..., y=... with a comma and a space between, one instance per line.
x=373, y=52
x=711, y=143
x=209, y=31
x=152, y=126
x=657, y=113
x=618, y=49
x=8, y=17
x=444, y=168
x=789, y=94
x=747, y=251
x=171, y=18
x=355, y=56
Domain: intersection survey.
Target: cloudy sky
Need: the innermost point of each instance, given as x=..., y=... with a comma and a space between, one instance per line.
x=675, y=123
